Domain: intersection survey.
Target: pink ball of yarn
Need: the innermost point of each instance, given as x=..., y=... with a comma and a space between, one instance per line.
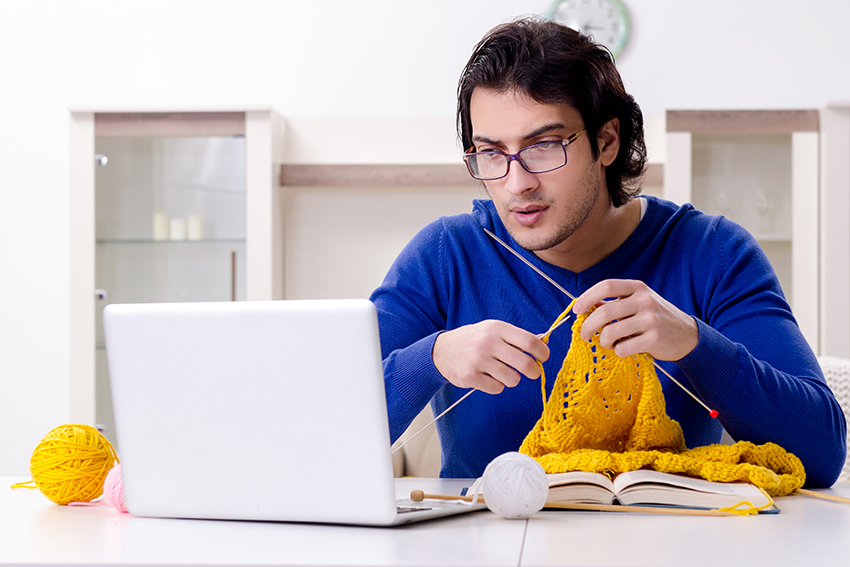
x=113, y=489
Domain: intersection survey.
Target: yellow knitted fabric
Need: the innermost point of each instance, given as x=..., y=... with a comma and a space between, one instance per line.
x=607, y=414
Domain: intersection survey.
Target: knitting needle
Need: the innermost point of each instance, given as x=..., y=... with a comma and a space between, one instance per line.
x=711, y=412
x=444, y=412
x=419, y=496
x=553, y=327
x=830, y=497
x=406, y=441
x=529, y=264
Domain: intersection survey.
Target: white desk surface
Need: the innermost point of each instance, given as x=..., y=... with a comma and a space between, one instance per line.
x=34, y=530
x=808, y=531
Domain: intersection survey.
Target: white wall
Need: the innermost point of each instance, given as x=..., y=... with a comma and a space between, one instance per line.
x=340, y=59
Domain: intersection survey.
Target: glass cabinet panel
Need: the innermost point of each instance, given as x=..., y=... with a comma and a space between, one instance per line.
x=169, y=226
x=747, y=178
x=758, y=168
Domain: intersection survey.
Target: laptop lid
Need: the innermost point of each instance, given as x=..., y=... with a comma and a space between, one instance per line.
x=261, y=410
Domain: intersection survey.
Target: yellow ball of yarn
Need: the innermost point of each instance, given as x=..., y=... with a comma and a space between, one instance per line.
x=71, y=463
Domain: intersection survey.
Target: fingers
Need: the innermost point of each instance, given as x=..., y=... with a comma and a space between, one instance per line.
x=618, y=319
x=631, y=318
x=525, y=343
x=629, y=336
x=488, y=356
x=606, y=290
x=607, y=296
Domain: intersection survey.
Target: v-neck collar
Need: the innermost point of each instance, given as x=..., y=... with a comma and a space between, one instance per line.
x=631, y=246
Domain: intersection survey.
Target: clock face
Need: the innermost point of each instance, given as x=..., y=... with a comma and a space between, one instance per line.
x=605, y=20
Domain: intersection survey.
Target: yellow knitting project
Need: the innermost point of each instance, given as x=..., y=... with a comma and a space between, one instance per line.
x=607, y=414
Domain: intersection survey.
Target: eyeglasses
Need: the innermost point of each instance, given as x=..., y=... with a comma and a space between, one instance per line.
x=537, y=158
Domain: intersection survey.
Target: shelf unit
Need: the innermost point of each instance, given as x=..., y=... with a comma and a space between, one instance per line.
x=835, y=230
x=260, y=243
x=760, y=168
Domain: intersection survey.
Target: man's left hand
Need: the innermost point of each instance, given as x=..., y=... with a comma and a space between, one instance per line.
x=634, y=319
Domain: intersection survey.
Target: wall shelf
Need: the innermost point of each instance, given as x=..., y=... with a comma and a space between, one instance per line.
x=401, y=175
x=376, y=175
x=742, y=121
x=170, y=242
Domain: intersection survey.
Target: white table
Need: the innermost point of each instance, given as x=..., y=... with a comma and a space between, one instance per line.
x=33, y=530
x=807, y=532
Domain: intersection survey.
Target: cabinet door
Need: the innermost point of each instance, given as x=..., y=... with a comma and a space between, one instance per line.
x=186, y=208
x=759, y=169
x=169, y=226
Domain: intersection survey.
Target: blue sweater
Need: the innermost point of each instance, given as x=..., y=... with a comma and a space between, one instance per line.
x=752, y=364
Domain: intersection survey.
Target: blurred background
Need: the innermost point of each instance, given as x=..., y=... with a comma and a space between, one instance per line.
x=355, y=82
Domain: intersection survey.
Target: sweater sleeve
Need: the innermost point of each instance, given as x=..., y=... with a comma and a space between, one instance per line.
x=411, y=314
x=754, y=366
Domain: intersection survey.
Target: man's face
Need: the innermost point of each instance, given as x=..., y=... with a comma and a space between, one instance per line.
x=539, y=210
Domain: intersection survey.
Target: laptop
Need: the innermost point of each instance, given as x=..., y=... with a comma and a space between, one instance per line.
x=255, y=410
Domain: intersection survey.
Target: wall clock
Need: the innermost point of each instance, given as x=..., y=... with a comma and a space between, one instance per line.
x=607, y=21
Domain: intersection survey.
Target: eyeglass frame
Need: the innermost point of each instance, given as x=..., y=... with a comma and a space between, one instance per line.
x=515, y=157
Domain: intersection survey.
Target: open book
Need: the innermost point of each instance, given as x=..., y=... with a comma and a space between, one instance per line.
x=653, y=488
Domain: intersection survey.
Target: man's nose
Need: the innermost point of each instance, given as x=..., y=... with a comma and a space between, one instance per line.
x=519, y=179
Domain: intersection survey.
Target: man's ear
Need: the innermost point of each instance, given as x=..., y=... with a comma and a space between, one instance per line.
x=609, y=141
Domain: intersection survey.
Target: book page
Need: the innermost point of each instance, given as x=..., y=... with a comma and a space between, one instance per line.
x=579, y=486
x=652, y=487
x=624, y=480
x=665, y=495
x=580, y=477
x=581, y=492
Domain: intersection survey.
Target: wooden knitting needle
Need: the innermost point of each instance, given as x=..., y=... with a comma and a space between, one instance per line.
x=711, y=412
x=830, y=497
x=419, y=496
x=636, y=509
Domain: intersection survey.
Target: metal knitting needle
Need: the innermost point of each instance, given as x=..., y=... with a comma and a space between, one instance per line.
x=712, y=412
x=553, y=327
x=529, y=264
x=445, y=411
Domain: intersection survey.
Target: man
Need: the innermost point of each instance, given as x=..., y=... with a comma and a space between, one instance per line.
x=558, y=144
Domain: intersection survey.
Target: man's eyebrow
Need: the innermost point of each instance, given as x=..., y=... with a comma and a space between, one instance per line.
x=484, y=139
x=539, y=132
x=543, y=129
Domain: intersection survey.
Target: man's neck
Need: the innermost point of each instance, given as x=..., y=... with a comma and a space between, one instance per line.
x=605, y=230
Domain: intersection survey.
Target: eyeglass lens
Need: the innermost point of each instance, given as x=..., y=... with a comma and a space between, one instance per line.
x=538, y=158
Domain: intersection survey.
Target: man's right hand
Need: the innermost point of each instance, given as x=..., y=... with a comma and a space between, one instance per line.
x=488, y=355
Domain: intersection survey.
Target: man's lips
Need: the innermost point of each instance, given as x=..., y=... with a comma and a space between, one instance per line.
x=528, y=215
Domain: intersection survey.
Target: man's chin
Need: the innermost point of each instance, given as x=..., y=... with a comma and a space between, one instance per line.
x=532, y=239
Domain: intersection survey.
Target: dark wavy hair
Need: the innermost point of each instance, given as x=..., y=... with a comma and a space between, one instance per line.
x=554, y=64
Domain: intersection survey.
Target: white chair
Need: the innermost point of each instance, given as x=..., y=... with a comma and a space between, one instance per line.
x=837, y=373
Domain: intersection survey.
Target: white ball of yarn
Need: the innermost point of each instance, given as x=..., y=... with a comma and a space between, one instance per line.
x=514, y=486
